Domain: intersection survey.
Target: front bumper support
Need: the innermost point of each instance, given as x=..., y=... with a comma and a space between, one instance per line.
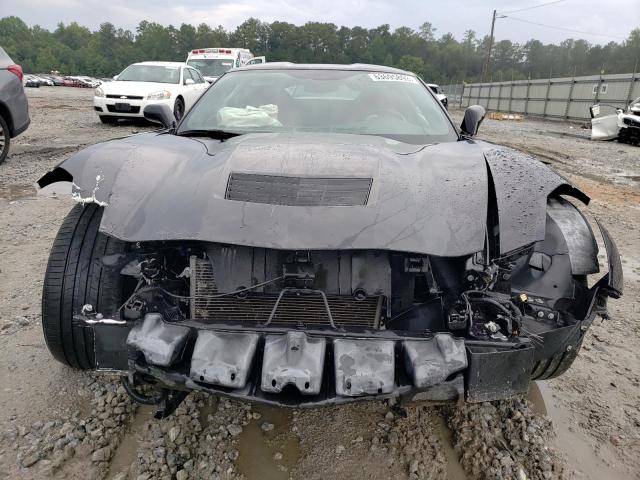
x=304, y=367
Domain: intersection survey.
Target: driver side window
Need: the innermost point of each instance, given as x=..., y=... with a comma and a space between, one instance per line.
x=196, y=76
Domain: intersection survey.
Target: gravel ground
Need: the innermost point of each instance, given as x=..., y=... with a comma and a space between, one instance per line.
x=59, y=423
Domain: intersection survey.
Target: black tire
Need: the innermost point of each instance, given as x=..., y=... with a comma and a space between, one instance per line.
x=75, y=277
x=107, y=119
x=178, y=109
x=5, y=139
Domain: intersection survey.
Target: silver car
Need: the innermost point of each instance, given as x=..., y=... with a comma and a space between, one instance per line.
x=14, y=111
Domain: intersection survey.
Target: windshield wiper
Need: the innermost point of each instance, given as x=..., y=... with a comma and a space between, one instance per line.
x=211, y=133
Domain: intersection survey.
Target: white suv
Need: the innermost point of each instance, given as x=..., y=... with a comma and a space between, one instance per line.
x=172, y=83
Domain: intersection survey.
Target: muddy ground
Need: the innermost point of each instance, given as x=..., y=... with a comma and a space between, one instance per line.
x=59, y=423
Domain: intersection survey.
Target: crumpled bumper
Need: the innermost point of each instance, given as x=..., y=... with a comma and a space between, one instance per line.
x=292, y=367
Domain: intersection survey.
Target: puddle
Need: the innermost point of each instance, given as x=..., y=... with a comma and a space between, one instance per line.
x=17, y=192
x=454, y=468
x=127, y=450
x=575, y=445
x=257, y=448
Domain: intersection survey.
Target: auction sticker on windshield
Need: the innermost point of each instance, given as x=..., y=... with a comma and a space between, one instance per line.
x=392, y=77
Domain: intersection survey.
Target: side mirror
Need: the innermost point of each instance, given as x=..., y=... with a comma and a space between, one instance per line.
x=594, y=110
x=189, y=81
x=115, y=77
x=473, y=117
x=160, y=113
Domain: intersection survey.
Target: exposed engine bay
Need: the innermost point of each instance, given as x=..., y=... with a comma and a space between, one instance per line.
x=323, y=326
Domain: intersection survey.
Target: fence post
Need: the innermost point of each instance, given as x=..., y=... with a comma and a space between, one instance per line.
x=526, y=99
x=568, y=104
x=511, y=91
x=597, y=99
x=500, y=94
x=546, y=96
x=631, y=83
x=462, y=94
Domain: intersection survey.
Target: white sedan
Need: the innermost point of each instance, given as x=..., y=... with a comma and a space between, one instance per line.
x=171, y=83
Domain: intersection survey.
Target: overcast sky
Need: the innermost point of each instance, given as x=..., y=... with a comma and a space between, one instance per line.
x=615, y=18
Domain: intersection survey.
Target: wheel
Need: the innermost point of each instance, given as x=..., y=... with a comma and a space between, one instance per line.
x=107, y=119
x=5, y=139
x=75, y=276
x=178, y=109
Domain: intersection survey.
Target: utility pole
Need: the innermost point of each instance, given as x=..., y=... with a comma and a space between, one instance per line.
x=486, y=69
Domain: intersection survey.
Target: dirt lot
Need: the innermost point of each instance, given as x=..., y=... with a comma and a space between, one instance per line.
x=58, y=423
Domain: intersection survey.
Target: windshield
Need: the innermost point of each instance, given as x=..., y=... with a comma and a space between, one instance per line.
x=391, y=105
x=150, y=73
x=212, y=67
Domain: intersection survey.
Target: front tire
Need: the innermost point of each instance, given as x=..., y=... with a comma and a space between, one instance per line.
x=75, y=276
x=5, y=139
x=178, y=109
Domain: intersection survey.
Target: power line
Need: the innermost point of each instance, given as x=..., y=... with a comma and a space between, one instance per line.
x=565, y=29
x=534, y=6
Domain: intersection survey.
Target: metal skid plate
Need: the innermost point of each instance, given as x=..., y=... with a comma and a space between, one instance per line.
x=431, y=362
x=160, y=342
x=293, y=359
x=364, y=367
x=223, y=358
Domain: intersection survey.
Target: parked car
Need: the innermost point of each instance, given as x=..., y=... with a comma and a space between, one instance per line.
x=439, y=93
x=44, y=81
x=148, y=83
x=214, y=62
x=622, y=125
x=320, y=234
x=14, y=110
x=32, y=82
x=56, y=79
x=69, y=82
x=90, y=82
x=80, y=82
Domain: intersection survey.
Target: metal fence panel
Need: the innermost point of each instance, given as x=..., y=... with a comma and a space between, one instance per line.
x=561, y=97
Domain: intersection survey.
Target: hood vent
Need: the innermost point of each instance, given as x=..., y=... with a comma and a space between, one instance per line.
x=298, y=191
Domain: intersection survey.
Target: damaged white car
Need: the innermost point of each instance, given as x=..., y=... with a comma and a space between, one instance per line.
x=623, y=125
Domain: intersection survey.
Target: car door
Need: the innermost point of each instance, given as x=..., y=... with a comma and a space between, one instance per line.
x=201, y=83
x=190, y=92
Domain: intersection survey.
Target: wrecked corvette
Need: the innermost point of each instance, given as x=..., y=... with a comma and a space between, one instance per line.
x=312, y=235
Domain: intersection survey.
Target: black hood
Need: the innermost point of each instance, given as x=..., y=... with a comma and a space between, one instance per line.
x=424, y=199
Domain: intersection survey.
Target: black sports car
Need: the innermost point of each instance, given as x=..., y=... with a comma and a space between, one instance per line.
x=316, y=234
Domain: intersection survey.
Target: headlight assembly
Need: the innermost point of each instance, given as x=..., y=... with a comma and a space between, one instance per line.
x=162, y=95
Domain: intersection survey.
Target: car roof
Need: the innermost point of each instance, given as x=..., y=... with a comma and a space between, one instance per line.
x=432, y=85
x=356, y=67
x=163, y=64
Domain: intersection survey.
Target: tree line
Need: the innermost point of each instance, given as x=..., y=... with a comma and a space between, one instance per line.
x=75, y=49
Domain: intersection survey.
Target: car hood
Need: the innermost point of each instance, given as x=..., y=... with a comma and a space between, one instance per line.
x=135, y=88
x=429, y=199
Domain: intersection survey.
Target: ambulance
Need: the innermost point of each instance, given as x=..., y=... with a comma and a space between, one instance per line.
x=213, y=62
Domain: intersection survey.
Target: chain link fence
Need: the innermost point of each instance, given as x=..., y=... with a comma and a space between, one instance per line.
x=561, y=98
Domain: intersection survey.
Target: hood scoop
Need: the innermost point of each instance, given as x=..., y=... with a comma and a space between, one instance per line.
x=298, y=191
